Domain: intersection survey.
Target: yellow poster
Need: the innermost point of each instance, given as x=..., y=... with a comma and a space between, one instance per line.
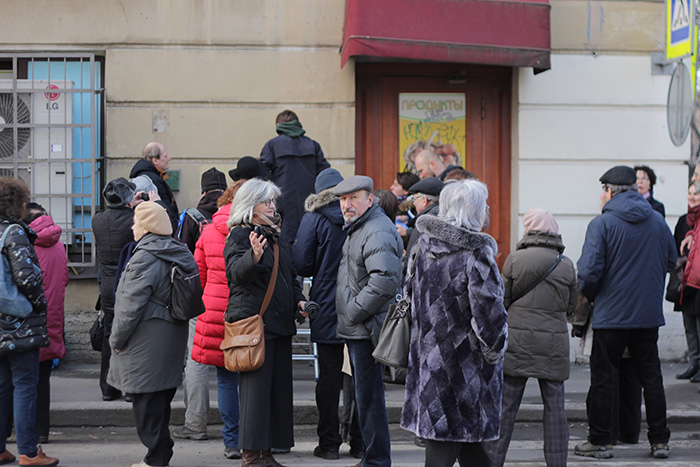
x=432, y=120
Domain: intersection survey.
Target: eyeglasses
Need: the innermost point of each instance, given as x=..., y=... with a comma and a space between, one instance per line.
x=416, y=196
x=270, y=202
x=643, y=179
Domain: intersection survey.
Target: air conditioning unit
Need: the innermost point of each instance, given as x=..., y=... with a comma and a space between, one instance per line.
x=45, y=149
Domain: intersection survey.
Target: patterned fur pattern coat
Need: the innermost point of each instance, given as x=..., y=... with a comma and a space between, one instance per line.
x=458, y=336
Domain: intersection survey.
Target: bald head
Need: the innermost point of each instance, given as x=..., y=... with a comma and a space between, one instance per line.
x=157, y=154
x=428, y=164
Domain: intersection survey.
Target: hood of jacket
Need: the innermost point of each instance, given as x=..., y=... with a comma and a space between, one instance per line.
x=47, y=233
x=207, y=204
x=220, y=218
x=536, y=238
x=451, y=234
x=629, y=206
x=326, y=204
x=164, y=247
x=141, y=167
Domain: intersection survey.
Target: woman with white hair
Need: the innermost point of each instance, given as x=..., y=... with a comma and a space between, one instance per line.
x=265, y=394
x=540, y=291
x=458, y=331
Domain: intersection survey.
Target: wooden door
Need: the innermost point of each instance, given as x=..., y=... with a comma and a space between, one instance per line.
x=487, y=92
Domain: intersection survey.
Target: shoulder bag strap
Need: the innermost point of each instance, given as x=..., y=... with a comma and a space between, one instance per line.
x=273, y=280
x=537, y=282
x=5, y=233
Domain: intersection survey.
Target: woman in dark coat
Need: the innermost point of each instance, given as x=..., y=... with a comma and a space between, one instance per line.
x=148, y=344
x=265, y=394
x=458, y=331
x=538, y=334
x=20, y=339
x=646, y=179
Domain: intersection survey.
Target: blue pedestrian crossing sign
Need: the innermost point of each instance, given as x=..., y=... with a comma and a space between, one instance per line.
x=680, y=26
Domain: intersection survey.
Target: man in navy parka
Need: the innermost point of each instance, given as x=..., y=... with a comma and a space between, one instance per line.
x=628, y=250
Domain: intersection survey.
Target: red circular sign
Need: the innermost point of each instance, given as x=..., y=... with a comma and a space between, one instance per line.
x=52, y=96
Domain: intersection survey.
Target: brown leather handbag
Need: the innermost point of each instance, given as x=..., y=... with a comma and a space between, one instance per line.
x=244, y=340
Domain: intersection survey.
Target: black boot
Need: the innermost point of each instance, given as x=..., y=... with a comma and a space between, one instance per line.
x=689, y=373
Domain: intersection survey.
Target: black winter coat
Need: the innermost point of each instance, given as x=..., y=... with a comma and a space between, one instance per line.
x=146, y=167
x=294, y=163
x=248, y=281
x=190, y=230
x=112, y=230
x=657, y=206
x=317, y=252
x=28, y=334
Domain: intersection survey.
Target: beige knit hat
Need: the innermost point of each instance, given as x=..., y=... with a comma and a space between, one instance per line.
x=153, y=218
x=540, y=220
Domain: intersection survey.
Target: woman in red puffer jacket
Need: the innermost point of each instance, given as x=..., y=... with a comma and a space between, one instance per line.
x=209, y=254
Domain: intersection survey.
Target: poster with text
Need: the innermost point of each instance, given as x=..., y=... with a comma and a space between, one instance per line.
x=432, y=120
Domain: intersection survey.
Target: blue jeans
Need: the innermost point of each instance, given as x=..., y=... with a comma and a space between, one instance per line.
x=371, y=407
x=227, y=386
x=21, y=370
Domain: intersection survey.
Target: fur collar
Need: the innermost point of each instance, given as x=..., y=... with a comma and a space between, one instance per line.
x=457, y=236
x=541, y=239
x=314, y=202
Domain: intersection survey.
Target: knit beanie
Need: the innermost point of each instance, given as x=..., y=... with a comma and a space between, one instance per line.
x=212, y=179
x=153, y=218
x=328, y=178
x=540, y=220
x=118, y=192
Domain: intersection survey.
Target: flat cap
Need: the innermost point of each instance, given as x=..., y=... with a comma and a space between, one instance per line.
x=353, y=184
x=620, y=175
x=430, y=186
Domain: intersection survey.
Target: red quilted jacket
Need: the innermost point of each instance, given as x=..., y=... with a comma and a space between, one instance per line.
x=210, y=259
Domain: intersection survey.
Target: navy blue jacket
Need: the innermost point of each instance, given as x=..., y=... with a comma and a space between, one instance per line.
x=294, y=164
x=317, y=252
x=627, y=252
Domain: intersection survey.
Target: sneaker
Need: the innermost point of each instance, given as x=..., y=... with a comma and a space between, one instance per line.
x=6, y=457
x=660, y=450
x=589, y=449
x=232, y=453
x=185, y=433
x=323, y=454
x=357, y=453
x=40, y=459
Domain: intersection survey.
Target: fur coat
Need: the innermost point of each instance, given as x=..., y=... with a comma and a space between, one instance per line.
x=458, y=335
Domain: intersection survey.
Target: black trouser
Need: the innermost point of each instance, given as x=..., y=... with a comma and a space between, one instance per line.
x=608, y=347
x=152, y=415
x=43, y=399
x=444, y=454
x=349, y=422
x=107, y=389
x=627, y=415
x=330, y=381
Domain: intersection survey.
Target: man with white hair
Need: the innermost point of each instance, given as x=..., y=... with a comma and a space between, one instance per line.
x=153, y=164
x=368, y=281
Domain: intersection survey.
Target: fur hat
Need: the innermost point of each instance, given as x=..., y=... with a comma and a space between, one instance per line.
x=143, y=183
x=540, y=220
x=119, y=192
x=249, y=167
x=620, y=175
x=213, y=179
x=353, y=184
x=153, y=218
x=328, y=178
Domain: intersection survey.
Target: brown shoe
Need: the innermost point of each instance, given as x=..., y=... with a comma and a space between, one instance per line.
x=39, y=459
x=7, y=457
x=268, y=460
x=251, y=459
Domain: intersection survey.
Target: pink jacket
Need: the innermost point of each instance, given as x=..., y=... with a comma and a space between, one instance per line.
x=209, y=254
x=54, y=269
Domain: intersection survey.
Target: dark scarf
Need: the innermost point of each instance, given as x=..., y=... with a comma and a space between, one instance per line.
x=692, y=216
x=292, y=129
x=272, y=226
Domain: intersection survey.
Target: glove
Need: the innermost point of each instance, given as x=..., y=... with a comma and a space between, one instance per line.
x=578, y=331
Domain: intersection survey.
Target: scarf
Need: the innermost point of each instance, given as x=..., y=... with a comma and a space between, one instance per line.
x=271, y=225
x=692, y=216
x=292, y=129
x=163, y=174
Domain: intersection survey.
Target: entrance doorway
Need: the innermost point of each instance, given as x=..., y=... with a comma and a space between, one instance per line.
x=481, y=94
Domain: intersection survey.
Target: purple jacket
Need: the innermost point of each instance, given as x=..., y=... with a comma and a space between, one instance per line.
x=54, y=269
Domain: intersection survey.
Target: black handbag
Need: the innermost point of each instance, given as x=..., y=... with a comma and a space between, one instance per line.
x=675, y=281
x=97, y=332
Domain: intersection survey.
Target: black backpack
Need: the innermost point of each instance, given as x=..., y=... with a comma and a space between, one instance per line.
x=196, y=216
x=186, y=295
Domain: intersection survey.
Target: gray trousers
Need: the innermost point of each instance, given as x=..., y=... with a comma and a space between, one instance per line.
x=556, y=428
x=691, y=323
x=196, y=386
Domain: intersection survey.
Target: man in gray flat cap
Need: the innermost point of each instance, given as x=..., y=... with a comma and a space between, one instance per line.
x=368, y=281
x=627, y=252
x=425, y=194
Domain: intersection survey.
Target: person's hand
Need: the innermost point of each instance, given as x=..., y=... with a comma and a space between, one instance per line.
x=153, y=196
x=116, y=351
x=686, y=243
x=258, y=243
x=302, y=306
x=578, y=331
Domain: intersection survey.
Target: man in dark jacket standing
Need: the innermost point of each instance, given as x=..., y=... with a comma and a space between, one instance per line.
x=294, y=160
x=369, y=279
x=627, y=252
x=319, y=239
x=112, y=230
x=153, y=163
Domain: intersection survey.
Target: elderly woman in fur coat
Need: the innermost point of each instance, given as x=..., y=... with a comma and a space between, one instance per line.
x=458, y=332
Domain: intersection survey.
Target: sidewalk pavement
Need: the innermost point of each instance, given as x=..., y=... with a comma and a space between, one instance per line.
x=76, y=399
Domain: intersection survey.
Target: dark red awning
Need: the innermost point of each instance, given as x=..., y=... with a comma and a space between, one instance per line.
x=493, y=32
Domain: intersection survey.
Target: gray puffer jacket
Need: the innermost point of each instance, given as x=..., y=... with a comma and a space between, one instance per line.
x=369, y=275
x=539, y=339
x=151, y=343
